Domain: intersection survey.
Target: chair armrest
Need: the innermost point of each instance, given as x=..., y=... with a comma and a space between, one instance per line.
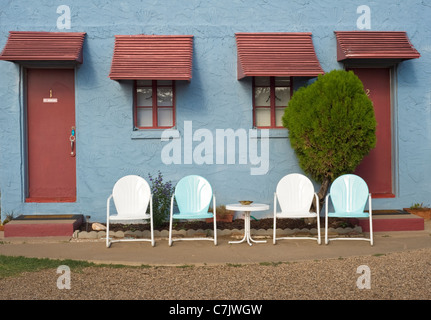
x=172, y=203
x=214, y=206
x=326, y=203
x=151, y=205
x=107, y=207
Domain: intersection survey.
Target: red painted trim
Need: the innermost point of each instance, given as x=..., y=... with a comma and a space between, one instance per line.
x=152, y=57
x=43, y=46
x=374, y=45
x=280, y=54
x=51, y=200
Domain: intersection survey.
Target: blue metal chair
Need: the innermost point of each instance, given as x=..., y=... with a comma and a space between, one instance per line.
x=193, y=195
x=349, y=194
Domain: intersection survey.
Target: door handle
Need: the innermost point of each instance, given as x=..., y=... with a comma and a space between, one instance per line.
x=72, y=139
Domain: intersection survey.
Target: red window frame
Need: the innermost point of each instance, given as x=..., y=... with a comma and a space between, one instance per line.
x=272, y=106
x=154, y=107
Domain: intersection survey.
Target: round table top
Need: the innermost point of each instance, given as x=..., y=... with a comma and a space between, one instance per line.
x=250, y=207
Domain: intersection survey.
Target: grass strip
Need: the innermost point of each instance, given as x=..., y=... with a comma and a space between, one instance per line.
x=12, y=266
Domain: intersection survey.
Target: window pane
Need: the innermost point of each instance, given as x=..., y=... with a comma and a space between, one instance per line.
x=165, y=117
x=144, y=117
x=262, y=97
x=144, y=97
x=282, y=96
x=282, y=81
x=279, y=112
x=263, y=117
x=164, y=97
x=261, y=81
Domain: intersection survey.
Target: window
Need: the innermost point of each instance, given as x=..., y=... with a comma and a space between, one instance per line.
x=270, y=97
x=154, y=104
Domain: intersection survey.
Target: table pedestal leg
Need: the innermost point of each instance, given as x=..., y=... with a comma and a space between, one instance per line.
x=247, y=236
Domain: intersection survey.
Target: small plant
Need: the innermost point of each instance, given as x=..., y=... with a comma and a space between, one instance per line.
x=8, y=218
x=418, y=206
x=162, y=192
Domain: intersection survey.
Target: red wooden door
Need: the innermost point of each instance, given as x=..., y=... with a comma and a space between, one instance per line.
x=50, y=118
x=376, y=168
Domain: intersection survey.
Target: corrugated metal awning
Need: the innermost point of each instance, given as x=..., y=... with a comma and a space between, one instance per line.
x=152, y=57
x=43, y=46
x=374, y=45
x=282, y=54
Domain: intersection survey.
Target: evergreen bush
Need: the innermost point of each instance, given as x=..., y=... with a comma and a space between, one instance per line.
x=331, y=126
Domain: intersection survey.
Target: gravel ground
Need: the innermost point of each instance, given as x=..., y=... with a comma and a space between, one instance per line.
x=400, y=276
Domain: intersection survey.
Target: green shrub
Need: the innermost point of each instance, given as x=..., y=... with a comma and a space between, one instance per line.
x=331, y=126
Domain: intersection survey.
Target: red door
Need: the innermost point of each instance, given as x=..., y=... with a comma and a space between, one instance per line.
x=376, y=168
x=50, y=118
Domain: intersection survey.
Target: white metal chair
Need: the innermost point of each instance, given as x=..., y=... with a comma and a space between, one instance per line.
x=193, y=195
x=295, y=194
x=349, y=194
x=131, y=195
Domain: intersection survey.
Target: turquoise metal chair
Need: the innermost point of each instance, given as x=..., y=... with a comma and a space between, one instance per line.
x=193, y=195
x=349, y=194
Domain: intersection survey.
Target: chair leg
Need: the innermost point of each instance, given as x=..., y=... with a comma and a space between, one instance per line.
x=274, y=230
x=170, y=231
x=326, y=229
x=153, y=243
x=371, y=231
x=108, y=243
x=215, y=232
x=319, y=240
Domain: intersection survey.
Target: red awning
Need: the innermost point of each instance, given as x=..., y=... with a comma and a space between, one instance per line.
x=152, y=57
x=374, y=45
x=43, y=46
x=277, y=54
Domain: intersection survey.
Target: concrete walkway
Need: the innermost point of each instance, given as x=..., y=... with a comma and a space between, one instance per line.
x=205, y=253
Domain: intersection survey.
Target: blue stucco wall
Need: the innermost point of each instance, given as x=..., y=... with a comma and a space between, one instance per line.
x=107, y=146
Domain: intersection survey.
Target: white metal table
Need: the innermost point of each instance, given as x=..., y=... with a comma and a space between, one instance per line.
x=247, y=209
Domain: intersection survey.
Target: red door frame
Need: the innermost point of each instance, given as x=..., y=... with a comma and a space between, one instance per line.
x=51, y=168
x=377, y=167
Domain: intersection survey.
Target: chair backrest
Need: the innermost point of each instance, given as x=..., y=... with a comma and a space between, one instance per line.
x=295, y=193
x=131, y=196
x=193, y=194
x=349, y=193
